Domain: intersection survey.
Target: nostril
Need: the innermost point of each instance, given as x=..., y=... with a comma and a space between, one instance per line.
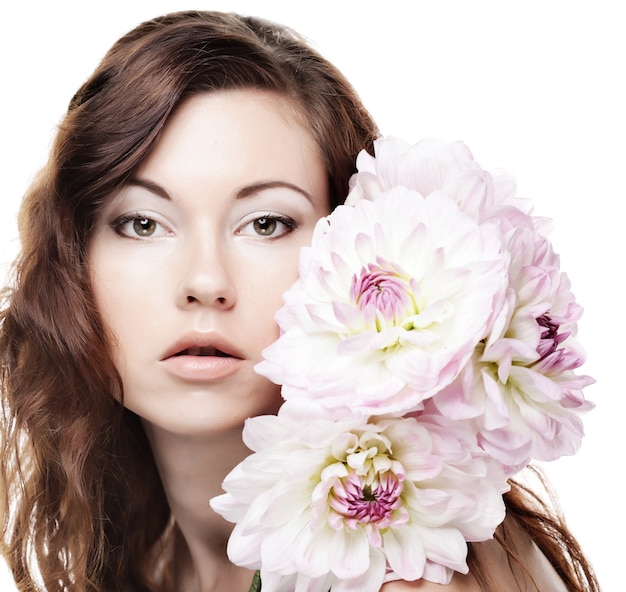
x=219, y=301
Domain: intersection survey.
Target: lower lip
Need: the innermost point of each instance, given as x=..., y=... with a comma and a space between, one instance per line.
x=202, y=368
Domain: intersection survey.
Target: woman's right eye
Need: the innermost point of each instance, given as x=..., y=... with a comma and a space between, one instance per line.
x=137, y=226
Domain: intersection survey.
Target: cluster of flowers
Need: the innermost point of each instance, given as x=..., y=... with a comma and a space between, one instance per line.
x=427, y=354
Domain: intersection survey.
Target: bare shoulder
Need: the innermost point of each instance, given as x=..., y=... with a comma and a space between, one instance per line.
x=529, y=571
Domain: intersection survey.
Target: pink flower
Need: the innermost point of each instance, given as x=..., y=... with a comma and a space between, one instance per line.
x=521, y=385
x=353, y=502
x=393, y=297
x=432, y=166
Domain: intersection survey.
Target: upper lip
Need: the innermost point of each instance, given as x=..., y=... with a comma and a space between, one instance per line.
x=198, y=343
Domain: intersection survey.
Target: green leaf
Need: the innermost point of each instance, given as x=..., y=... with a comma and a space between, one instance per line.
x=256, y=582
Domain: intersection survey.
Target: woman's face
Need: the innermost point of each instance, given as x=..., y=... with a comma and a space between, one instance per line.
x=189, y=261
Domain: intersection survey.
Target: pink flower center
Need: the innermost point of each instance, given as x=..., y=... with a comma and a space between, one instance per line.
x=383, y=295
x=363, y=503
x=550, y=336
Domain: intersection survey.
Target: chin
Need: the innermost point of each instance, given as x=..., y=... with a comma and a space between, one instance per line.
x=201, y=414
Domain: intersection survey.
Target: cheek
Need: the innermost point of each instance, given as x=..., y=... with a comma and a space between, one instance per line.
x=262, y=294
x=114, y=296
x=125, y=300
x=127, y=281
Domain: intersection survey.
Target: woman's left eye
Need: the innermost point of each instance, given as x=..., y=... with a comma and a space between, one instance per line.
x=268, y=225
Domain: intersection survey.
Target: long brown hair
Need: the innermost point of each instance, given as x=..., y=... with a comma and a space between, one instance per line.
x=532, y=510
x=81, y=503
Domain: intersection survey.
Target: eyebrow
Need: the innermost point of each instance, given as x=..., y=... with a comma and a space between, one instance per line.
x=258, y=187
x=242, y=193
x=150, y=186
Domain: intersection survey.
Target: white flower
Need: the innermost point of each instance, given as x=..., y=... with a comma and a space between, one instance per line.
x=393, y=297
x=349, y=503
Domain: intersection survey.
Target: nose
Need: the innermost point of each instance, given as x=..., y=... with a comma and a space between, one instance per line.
x=205, y=277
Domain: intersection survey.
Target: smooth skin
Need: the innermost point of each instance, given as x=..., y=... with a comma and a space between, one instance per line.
x=198, y=248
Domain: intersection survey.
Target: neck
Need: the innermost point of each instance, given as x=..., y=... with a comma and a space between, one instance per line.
x=192, y=469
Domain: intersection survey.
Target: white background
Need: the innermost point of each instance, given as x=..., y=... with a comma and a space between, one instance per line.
x=534, y=87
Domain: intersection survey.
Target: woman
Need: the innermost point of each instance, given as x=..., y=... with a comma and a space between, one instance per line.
x=157, y=242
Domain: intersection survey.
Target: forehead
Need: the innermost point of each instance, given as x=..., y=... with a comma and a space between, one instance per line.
x=231, y=124
x=240, y=132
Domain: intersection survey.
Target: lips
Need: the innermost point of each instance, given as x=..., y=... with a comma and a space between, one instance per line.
x=202, y=357
x=202, y=351
x=199, y=344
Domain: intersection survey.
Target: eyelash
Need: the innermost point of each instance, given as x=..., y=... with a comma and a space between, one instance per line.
x=118, y=223
x=289, y=223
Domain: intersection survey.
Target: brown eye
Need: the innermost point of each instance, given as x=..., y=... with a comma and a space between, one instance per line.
x=144, y=226
x=265, y=226
x=139, y=226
